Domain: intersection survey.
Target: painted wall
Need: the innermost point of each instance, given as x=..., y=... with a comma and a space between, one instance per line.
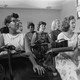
x=47, y=15
x=34, y=15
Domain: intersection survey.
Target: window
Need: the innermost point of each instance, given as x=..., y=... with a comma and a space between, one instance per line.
x=78, y=9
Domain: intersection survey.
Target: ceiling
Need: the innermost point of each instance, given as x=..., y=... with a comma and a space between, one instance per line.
x=42, y=4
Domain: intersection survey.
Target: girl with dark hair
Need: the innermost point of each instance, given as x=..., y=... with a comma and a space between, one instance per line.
x=41, y=37
x=31, y=28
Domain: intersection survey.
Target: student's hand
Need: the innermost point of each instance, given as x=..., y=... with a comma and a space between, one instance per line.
x=75, y=56
x=75, y=60
x=39, y=68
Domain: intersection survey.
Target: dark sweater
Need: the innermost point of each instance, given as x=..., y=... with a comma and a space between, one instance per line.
x=54, y=34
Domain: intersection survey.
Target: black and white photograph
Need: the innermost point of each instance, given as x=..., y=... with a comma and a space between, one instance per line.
x=39, y=39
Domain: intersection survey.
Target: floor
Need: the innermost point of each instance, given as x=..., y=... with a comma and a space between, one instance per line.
x=20, y=70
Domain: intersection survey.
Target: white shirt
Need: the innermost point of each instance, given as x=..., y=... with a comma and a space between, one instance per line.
x=16, y=40
x=72, y=42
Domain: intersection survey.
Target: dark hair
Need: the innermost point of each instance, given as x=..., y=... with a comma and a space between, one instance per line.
x=41, y=23
x=30, y=24
x=15, y=15
x=66, y=23
x=71, y=17
x=8, y=18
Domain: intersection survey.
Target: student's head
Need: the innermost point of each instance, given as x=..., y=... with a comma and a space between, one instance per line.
x=68, y=24
x=41, y=26
x=72, y=22
x=20, y=27
x=55, y=24
x=31, y=26
x=12, y=21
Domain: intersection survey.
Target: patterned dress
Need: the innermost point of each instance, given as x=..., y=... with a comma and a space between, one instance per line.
x=66, y=67
x=38, y=50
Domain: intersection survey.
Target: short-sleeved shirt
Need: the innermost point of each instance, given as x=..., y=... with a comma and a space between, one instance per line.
x=72, y=42
x=16, y=40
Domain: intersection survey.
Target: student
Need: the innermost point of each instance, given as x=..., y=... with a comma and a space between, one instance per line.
x=55, y=29
x=20, y=41
x=67, y=62
x=31, y=28
x=41, y=37
x=20, y=26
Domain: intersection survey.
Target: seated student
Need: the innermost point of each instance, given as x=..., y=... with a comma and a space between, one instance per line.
x=55, y=29
x=20, y=41
x=31, y=31
x=41, y=37
x=20, y=26
x=67, y=62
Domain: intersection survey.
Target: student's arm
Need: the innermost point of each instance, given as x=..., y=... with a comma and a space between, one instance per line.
x=33, y=39
x=29, y=53
x=50, y=41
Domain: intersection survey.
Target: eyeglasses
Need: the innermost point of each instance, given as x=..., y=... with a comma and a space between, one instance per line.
x=15, y=20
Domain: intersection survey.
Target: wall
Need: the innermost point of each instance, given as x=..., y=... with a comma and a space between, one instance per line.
x=47, y=15
x=70, y=8
x=34, y=15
